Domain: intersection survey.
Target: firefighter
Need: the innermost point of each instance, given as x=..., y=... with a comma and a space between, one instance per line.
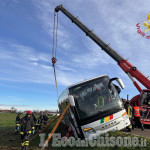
x=129, y=112
x=98, y=97
x=41, y=119
x=124, y=101
x=136, y=117
x=100, y=102
x=34, y=118
x=128, y=108
x=27, y=126
x=39, y=122
x=45, y=118
x=17, y=123
x=37, y=126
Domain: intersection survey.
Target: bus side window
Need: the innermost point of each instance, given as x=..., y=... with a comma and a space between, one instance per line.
x=117, y=88
x=67, y=115
x=112, y=92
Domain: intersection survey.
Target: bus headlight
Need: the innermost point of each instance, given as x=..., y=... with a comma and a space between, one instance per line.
x=89, y=130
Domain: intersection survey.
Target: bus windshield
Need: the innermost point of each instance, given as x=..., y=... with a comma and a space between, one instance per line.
x=95, y=98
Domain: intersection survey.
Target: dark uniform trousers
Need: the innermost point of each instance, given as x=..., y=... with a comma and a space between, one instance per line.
x=25, y=139
x=136, y=119
x=27, y=125
x=17, y=124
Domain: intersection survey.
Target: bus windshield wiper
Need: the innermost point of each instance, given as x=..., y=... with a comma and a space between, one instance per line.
x=118, y=108
x=101, y=112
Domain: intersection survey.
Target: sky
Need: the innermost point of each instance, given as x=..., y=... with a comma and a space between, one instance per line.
x=26, y=43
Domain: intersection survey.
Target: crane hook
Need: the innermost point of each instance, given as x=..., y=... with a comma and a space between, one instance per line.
x=53, y=61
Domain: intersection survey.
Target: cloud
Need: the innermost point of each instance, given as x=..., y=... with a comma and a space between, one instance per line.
x=19, y=108
x=22, y=63
x=27, y=107
x=25, y=64
x=14, y=98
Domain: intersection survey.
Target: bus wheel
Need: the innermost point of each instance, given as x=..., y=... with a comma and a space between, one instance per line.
x=129, y=130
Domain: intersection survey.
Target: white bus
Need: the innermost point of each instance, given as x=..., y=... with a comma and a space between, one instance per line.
x=96, y=107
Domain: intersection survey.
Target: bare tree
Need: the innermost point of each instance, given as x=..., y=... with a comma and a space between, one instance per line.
x=13, y=109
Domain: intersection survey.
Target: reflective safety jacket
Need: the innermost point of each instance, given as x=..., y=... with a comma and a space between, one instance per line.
x=136, y=111
x=40, y=120
x=100, y=101
x=128, y=109
x=27, y=125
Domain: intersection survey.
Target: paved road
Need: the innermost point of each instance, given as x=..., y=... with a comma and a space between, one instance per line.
x=139, y=132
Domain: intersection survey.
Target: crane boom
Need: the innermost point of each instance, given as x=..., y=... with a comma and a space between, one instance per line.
x=124, y=64
x=91, y=34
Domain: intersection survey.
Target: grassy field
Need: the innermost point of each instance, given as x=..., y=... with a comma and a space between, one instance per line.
x=8, y=138
x=10, y=141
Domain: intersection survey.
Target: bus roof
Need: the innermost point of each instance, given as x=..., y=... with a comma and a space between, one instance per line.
x=86, y=81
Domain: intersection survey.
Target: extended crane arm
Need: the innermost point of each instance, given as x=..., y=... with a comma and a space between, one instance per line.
x=124, y=64
x=90, y=33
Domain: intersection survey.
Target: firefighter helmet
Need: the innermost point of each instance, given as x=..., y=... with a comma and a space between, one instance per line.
x=29, y=112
